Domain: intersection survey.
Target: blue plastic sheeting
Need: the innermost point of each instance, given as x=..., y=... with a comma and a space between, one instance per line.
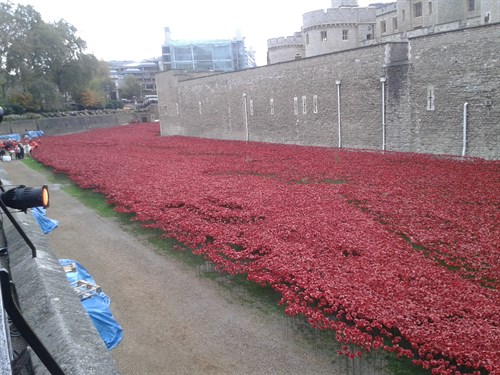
x=34, y=133
x=15, y=137
x=97, y=306
x=47, y=224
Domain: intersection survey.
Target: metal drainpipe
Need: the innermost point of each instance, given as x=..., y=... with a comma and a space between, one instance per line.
x=246, y=116
x=383, y=80
x=337, y=82
x=464, y=147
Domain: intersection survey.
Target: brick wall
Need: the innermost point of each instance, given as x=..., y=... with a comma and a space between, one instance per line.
x=462, y=67
x=281, y=99
x=65, y=125
x=215, y=106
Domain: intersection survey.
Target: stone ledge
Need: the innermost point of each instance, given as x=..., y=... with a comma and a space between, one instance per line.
x=50, y=305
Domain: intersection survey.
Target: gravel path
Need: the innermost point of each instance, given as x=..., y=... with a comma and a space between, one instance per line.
x=174, y=321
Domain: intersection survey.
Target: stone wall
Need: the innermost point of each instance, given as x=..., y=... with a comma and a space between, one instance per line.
x=291, y=102
x=66, y=125
x=461, y=67
x=428, y=81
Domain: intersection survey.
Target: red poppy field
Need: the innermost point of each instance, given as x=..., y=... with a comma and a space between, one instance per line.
x=391, y=250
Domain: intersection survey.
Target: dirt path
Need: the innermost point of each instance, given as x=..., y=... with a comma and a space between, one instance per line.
x=174, y=321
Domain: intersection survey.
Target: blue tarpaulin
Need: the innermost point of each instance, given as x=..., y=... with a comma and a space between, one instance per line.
x=97, y=306
x=47, y=225
x=34, y=133
x=14, y=137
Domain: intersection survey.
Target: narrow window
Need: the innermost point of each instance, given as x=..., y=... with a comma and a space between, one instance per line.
x=323, y=36
x=472, y=5
x=307, y=38
x=199, y=107
x=403, y=15
x=395, y=23
x=430, y=7
x=304, y=105
x=417, y=9
x=430, y=98
x=383, y=27
x=315, y=103
x=345, y=34
x=295, y=106
x=271, y=104
x=251, y=107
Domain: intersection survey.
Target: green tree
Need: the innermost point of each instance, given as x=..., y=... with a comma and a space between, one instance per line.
x=14, y=39
x=130, y=87
x=46, y=96
x=53, y=47
x=45, y=61
x=76, y=75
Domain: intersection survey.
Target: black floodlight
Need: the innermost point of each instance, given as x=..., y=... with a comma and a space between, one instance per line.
x=23, y=197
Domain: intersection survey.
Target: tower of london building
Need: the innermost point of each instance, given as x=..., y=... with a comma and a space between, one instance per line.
x=346, y=25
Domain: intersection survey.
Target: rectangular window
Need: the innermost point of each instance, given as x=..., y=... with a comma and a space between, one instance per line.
x=395, y=23
x=403, y=15
x=417, y=10
x=315, y=103
x=383, y=27
x=307, y=38
x=430, y=7
x=271, y=104
x=472, y=5
x=295, y=105
x=323, y=36
x=304, y=105
x=345, y=34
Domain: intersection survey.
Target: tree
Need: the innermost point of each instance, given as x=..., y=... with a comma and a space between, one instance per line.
x=15, y=27
x=76, y=75
x=46, y=96
x=130, y=87
x=45, y=62
x=88, y=99
x=53, y=47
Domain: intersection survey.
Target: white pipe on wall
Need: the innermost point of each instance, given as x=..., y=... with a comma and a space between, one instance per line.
x=247, y=135
x=464, y=141
x=337, y=82
x=382, y=80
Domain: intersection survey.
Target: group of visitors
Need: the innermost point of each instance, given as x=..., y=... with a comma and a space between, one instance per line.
x=12, y=150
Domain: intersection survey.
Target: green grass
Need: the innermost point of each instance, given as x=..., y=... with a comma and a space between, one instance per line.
x=247, y=293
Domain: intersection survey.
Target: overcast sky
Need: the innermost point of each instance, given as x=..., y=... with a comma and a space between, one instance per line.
x=123, y=30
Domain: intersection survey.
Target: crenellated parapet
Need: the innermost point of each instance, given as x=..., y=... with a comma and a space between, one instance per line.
x=337, y=17
x=286, y=41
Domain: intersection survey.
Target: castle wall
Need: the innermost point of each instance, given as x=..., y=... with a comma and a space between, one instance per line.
x=428, y=81
x=293, y=102
x=461, y=67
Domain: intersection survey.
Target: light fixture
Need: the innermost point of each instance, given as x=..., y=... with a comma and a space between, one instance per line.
x=22, y=197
